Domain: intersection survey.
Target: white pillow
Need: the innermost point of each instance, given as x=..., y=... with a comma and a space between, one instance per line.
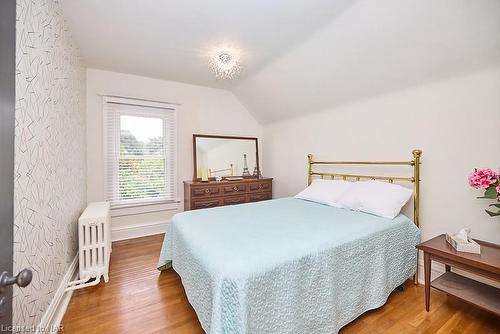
x=324, y=191
x=379, y=198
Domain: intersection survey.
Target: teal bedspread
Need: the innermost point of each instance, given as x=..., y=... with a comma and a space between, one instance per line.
x=287, y=265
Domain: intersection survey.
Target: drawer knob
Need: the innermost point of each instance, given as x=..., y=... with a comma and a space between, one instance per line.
x=207, y=191
x=260, y=185
x=235, y=188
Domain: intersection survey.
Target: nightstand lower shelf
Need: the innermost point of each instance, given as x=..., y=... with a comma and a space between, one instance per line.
x=482, y=295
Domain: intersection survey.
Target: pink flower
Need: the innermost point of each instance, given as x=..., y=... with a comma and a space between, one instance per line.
x=482, y=178
x=498, y=189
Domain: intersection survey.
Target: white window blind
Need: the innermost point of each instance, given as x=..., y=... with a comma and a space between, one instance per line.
x=140, y=152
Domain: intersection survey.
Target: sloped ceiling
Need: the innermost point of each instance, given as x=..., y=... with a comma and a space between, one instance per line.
x=170, y=39
x=375, y=47
x=300, y=56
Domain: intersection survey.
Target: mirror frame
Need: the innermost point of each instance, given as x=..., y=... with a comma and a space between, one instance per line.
x=196, y=178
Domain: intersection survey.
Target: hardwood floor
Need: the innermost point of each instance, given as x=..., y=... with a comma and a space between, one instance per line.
x=140, y=299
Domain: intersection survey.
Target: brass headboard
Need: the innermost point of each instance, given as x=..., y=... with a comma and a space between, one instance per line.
x=415, y=179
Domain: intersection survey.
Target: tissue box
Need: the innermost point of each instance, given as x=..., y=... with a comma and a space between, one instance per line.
x=470, y=247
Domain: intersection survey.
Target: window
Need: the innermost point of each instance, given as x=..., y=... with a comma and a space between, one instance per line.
x=139, y=152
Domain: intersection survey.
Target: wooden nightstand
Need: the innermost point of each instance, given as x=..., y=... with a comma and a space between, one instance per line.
x=486, y=264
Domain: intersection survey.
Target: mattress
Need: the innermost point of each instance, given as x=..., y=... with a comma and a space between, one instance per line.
x=287, y=265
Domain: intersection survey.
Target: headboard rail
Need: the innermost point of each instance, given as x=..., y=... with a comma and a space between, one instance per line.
x=363, y=162
x=390, y=179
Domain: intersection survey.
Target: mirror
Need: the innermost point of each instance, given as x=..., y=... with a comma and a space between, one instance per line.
x=224, y=156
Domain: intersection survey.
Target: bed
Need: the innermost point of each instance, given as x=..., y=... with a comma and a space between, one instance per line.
x=289, y=265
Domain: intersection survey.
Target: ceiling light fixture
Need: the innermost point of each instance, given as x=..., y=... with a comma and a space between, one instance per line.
x=225, y=63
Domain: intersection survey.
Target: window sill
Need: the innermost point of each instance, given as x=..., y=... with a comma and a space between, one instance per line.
x=137, y=209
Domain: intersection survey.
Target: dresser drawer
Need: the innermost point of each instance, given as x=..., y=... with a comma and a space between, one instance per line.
x=207, y=191
x=262, y=196
x=230, y=200
x=234, y=188
x=259, y=186
x=206, y=203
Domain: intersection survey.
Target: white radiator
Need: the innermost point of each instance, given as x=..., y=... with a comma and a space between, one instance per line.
x=94, y=242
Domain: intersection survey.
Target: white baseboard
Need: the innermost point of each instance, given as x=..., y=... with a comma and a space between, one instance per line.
x=139, y=230
x=54, y=314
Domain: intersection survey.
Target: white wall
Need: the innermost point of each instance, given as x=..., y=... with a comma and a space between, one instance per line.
x=203, y=110
x=455, y=122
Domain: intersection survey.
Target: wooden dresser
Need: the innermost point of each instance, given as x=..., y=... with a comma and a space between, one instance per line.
x=200, y=195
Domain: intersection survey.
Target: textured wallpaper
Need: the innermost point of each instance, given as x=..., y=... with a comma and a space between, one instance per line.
x=50, y=181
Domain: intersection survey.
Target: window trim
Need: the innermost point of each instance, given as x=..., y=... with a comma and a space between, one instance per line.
x=147, y=205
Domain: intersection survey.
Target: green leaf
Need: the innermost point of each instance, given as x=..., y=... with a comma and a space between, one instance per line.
x=493, y=214
x=495, y=205
x=491, y=192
